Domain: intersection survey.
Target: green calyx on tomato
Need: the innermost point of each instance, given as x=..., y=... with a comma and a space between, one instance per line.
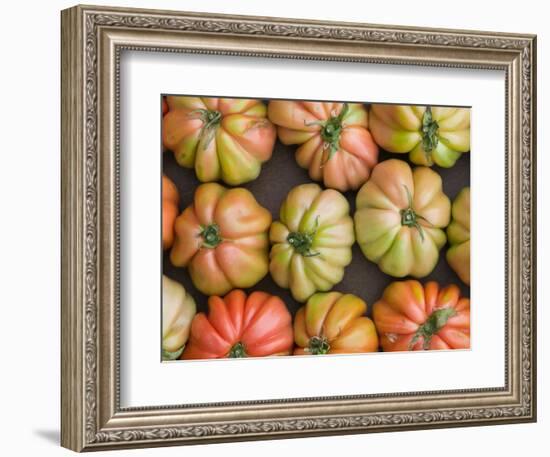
x=318, y=345
x=331, y=130
x=409, y=218
x=430, y=137
x=437, y=320
x=302, y=241
x=211, y=236
x=210, y=120
x=237, y=351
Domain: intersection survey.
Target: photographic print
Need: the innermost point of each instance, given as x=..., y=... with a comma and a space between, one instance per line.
x=305, y=228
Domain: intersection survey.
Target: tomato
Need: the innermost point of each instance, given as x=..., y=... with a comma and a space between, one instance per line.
x=222, y=138
x=178, y=310
x=400, y=214
x=240, y=326
x=222, y=238
x=335, y=144
x=170, y=202
x=458, y=233
x=412, y=317
x=311, y=241
x=334, y=323
x=431, y=135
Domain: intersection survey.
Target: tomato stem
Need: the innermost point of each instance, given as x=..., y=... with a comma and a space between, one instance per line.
x=430, y=137
x=210, y=120
x=437, y=320
x=237, y=351
x=331, y=129
x=302, y=241
x=318, y=345
x=211, y=236
x=409, y=218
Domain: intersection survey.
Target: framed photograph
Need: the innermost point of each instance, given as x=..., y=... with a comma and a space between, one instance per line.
x=276, y=228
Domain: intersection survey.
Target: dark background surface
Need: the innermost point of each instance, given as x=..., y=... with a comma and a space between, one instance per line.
x=280, y=174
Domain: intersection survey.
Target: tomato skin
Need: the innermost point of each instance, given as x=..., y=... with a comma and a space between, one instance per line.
x=345, y=161
x=221, y=138
x=237, y=255
x=334, y=323
x=399, y=219
x=239, y=326
x=178, y=310
x=458, y=233
x=407, y=306
x=170, y=210
x=404, y=129
x=321, y=220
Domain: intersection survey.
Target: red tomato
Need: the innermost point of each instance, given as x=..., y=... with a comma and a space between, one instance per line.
x=240, y=326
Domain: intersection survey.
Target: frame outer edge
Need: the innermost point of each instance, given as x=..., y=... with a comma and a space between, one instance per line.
x=533, y=212
x=72, y=226
x=82, y=421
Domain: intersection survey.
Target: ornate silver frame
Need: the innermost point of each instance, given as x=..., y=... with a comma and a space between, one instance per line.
x=92, y=41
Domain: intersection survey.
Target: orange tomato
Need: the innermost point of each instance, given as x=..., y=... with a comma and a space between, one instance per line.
x=223, y=239
x=221, y=138
x=334, y=142
x=334, y=323
x=412, y=317
x=240, y=326
x=170, y=201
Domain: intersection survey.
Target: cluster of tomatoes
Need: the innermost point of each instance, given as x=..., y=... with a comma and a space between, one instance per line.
x=228, y=241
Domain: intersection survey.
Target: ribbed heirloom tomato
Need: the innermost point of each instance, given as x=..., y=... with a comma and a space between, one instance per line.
x=311, y=241
x=335, y=144
x=222, y=138
x=412, y=317
x=223, y=239
x=178, y=310
x=399, y=219
x=334, y=323
x=170, y=201
x=240, y=326
x=431, y=135
x=458, y=233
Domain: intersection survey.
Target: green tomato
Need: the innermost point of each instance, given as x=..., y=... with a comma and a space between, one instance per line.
x=178, y=310
x=399, y=218
x=458, y=233
x=430, y=135
x=311, y=241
